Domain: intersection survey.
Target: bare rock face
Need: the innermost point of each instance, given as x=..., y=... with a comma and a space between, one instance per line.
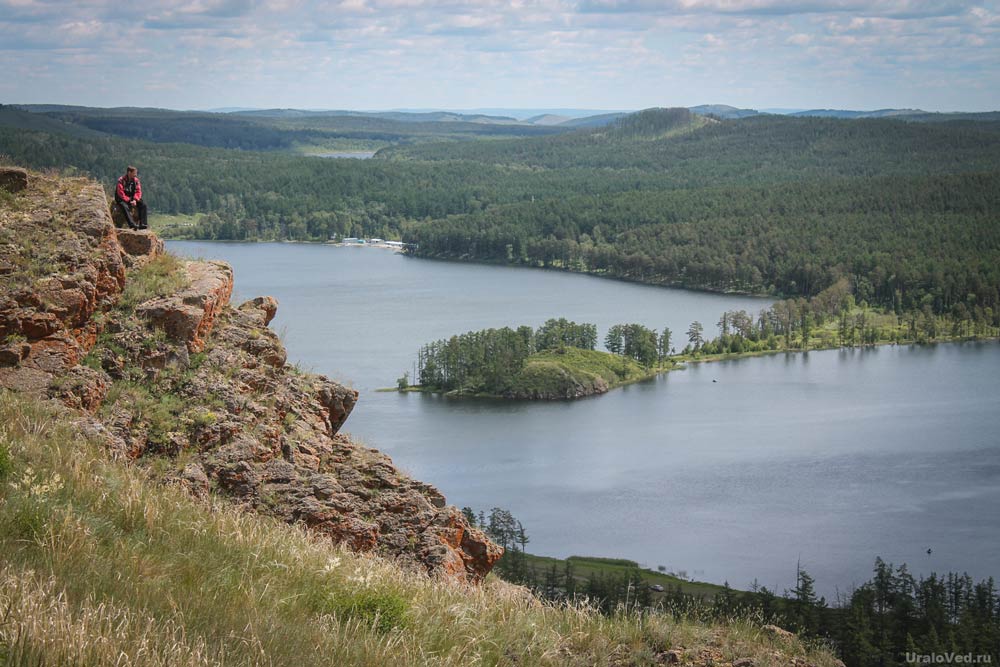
x=82, y=387
x=188, y=316
x=63, y=266
x=278, y=449
x=194, y=375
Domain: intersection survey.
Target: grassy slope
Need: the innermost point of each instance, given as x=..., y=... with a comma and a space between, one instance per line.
x=100, y=566
x=552, y=371
x=587, y=566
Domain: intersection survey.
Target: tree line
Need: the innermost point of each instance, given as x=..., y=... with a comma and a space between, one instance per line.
x=881, y=623
x=787, y=206
x=489, y=360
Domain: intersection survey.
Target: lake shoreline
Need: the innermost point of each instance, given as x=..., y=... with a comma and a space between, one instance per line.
x=838, y=458
x=486, y=262
x=680, y=363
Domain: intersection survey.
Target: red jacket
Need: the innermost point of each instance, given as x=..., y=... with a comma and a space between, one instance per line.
x=128, y=191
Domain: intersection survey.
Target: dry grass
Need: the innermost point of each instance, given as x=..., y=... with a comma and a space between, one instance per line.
x=100, y=566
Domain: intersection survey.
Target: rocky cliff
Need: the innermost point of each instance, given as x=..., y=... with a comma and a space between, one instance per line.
x=147, y=350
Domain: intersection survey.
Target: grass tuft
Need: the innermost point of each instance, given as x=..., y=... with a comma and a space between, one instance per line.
x=162, y=276
x=5, y=463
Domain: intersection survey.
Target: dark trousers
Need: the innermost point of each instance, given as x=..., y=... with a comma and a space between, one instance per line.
x=140, y=212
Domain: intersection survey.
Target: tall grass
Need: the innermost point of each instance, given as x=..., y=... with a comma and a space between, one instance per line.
x=100, y=566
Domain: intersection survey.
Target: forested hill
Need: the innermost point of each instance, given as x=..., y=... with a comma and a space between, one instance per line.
x=908, y=212
x=264, y=131
x=691, y=150
x=903, y=242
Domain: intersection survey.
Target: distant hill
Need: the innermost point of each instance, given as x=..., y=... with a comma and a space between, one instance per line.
x=654, y=123
x=914, y=115
x=723, y=111
x=288, y=130
x=547, y=119
x=593, y=121
x=847, y=113
x=17, y=118
x=524, y=114
x=401, y=116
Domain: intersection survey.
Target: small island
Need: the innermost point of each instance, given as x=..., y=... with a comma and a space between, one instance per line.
x=556, y=361
x=559, y=360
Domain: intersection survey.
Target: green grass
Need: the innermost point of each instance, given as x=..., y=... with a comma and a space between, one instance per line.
x=5, y=463
x=101, y=566
x=556, y=372
x=614, y=369
x=172, y=226
x=585, y=567
x=162, y=276
x=553, y=373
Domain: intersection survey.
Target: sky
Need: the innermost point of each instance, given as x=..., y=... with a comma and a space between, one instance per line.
x=938, y=55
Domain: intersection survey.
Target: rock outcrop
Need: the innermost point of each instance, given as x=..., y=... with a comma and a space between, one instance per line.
x=60, y=267
x=173, y=370
x=187, y=316
x=13, y=179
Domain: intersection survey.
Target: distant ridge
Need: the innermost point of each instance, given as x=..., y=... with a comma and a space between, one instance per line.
x=402, y=116
x=847, y=113
x=723, y=111
x=21, y=119
x=593, y=121
x=914, y=115
x=547, y=119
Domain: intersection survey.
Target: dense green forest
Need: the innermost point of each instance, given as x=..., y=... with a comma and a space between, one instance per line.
x=883, y=622
x=526, y=362
x=906, y=212
x=501, y=362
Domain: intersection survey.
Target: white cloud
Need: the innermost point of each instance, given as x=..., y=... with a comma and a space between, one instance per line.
x=601, y=53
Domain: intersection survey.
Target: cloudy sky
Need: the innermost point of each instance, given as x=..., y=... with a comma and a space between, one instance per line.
x=601, y=54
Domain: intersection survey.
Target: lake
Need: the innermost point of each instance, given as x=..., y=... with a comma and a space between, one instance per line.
x=348, y=155
x=730, y=471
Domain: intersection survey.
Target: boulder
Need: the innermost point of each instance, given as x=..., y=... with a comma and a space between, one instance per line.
x=139, y=246
x=266, y=305
x=13, y=179
x=777, y=633
x=337, y=401
x=188, y=316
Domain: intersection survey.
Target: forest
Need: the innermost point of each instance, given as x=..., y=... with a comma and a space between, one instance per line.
x=877, y=624
x=906, y=212
x=490, y=361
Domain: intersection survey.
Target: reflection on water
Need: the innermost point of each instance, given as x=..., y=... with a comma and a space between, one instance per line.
x=830, y=457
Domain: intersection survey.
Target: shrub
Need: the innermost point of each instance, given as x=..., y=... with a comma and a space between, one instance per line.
x=380, y=609
x=5, y=463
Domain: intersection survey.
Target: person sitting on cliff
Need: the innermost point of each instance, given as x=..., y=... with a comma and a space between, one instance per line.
x=128, y=193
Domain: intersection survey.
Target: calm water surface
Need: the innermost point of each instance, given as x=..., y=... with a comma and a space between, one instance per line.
x=357, y=155
x=728, y=471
